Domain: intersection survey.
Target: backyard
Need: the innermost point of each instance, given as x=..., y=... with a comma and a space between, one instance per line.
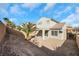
x=31, y=30
x=13, y=45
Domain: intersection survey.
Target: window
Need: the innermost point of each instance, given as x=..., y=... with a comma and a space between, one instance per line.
x=54, y=33
x=39, y=33
x=46, y=33
x=40, y=23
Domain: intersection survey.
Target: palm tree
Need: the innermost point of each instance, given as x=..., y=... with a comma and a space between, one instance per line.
x=28, y=28
x=19, y=28
x=9, y=23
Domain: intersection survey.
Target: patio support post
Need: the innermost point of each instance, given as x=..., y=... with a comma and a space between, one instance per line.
x=43, y=34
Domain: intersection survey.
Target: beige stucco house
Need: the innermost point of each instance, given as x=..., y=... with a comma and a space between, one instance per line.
x=49, y=28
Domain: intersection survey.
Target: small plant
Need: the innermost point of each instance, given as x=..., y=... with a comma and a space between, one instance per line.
x=9, y=23
x=19, y=28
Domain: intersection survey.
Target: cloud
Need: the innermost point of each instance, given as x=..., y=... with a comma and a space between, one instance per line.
x=14, y=9
x=48, y=6
x=59, y=13
x=3, y=12
x=77, y=10
x=29, y=5
x=72, y=20
x=69, y=19
x=65, y=10
x=14, y=20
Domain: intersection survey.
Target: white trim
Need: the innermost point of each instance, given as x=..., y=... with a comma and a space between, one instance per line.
x=43, y=34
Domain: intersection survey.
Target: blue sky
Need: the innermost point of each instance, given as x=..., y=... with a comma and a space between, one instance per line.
x=31, y=12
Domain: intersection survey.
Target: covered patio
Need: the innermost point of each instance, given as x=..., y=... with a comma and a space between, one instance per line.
x=43, y=33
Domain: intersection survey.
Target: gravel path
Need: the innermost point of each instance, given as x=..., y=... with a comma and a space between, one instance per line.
x=69, y=48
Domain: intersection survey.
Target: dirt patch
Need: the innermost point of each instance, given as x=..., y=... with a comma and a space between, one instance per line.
x=16, y=46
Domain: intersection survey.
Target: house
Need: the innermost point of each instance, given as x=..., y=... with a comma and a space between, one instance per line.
x=49, y=28
x=70, y=29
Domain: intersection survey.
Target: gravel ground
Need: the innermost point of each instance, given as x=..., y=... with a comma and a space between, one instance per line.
x=16, y=46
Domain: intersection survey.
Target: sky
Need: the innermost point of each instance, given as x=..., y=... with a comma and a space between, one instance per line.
x=20, y=13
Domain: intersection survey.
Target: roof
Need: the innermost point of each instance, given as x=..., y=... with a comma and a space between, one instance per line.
x=45, y=18
x=46, y=23
x=55, y=20
x=57, y=26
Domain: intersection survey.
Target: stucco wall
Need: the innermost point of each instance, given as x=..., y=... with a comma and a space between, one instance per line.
x=45, y=23
x=2, y=31
x=77, y=40
x=60, y=36
x=63, y=35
